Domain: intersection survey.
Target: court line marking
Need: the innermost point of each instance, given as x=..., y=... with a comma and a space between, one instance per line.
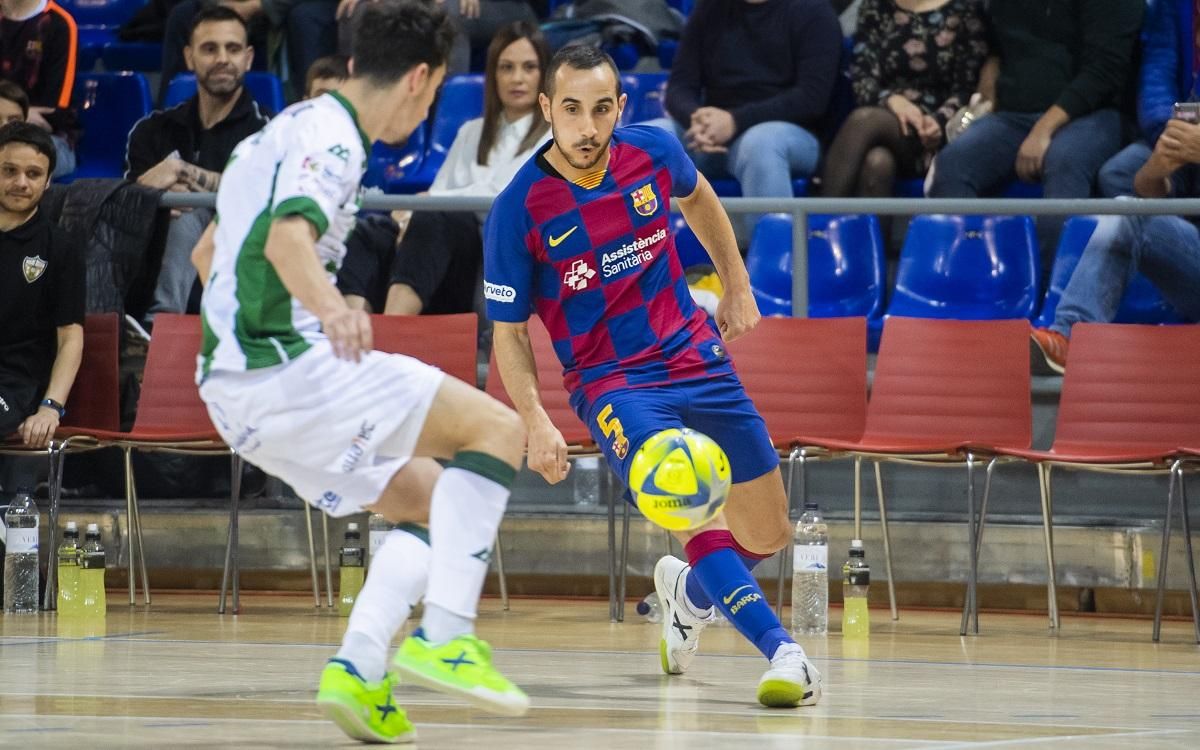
x=831, y=659
x=509, y=728
x=1112, y=731
x=1062, y=738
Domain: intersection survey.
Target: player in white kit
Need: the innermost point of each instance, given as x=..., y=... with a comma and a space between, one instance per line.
x=292, y=384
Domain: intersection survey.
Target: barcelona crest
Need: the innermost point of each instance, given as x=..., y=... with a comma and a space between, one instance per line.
x=645, y=202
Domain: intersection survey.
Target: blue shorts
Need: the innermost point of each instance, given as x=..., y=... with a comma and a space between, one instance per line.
x=620, y=421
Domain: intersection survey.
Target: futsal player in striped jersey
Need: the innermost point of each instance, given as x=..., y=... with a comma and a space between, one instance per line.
x=581, y=237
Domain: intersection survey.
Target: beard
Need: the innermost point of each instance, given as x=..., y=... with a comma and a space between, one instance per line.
x=222, y=88
x=599, y=149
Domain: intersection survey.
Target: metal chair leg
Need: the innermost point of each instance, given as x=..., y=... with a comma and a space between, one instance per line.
x=328, y=561
x=1168, y=521
x=129, y=524
x=500, y=572
x=312, y=555
x=978, y=542
x=887, y=541
x=1044, y=477
x=235, y=498
x=971, y=603
x=784, y=554
x=139, y=537
x=1187, y=545
x=612, y=553
x=50, y=597
x=624, y=561
x=858, y=497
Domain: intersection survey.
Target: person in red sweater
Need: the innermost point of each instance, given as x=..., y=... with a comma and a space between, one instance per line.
x=38, y=51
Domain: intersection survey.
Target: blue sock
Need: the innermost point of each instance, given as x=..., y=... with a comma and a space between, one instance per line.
x=695, y=592
x=735, y=592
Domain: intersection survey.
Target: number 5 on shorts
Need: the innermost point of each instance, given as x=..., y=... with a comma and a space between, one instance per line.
x=612, y=429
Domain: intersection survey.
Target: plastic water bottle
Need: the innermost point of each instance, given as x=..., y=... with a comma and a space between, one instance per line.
x=93, y=604
x=377, y=530
x=856, y=580
x=586, y=478
x=650, y=607
x=810, y=574
x=68, y=572
x=21, y=556
x=351, y=564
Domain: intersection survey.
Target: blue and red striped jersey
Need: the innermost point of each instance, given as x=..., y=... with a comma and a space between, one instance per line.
x=599, y=267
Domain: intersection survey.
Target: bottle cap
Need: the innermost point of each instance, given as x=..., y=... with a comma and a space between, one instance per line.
x=856, y=544
x=811, y=505
x=93, y=527
x=71, y=526
x=351, y=527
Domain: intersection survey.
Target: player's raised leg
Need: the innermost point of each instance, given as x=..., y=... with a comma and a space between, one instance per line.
x=485, y=442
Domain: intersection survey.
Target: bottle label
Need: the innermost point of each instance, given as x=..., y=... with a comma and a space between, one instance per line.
x=92, y=561
x=810, y=558
x=352, y=557
x=20, y=541
x=857, y=578
x=375, y=540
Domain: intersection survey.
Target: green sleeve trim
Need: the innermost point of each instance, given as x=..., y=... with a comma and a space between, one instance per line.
x=420, y=532
x=486, y=466
x=305, y=207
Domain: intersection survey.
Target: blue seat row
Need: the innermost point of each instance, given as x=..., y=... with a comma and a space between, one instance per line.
x=960, y=267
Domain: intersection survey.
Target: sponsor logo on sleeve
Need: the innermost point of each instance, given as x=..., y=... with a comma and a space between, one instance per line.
x=499, y=292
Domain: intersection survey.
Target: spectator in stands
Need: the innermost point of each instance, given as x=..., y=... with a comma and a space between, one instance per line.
x=1059, y=72
x=41, y=300
x=478, y=22
x=1166, y=76
x=184, y=149
x=431, y=261
x=1166, y=249
x=915, y=63
x=14, y=103
x=750, y=83
x=325, y=75
x=38, y=49
x=178, y=30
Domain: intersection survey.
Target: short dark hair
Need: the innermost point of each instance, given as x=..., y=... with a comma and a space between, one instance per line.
x=329, y=66
x=15, y=94
x=31, y=135
x=580, y=57
x=214, y=13
x=391, y=37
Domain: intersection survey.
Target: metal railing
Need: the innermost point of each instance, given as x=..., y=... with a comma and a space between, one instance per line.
x=801, y=208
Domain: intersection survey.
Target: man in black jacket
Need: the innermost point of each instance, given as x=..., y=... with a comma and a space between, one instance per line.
x=185, y=148
x=1057, y=84
x=749, y=86
x=41, y=297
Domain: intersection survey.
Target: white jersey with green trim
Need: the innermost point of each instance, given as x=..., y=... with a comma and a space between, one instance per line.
x=309, y=162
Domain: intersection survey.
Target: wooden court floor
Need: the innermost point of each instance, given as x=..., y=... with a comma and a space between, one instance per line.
x=178, y=675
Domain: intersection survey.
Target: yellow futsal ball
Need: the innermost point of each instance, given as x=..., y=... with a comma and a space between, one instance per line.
x=680, y=479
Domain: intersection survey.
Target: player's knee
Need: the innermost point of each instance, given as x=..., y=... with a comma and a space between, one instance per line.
x=505, y=433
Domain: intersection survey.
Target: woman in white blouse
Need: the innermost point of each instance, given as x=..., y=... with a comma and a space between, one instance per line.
x=431, y=261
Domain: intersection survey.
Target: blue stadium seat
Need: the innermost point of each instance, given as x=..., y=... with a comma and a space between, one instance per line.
x=394, y=168
x=727, y=187
x=109, y=104
x=845, y=266
x=118, y=55
x=915, y=188
x=461, y=100
x=97, y=22
x=651, y=103
x=687, y=245
x=631, y=86
x=108, y=14
x=1142, y=302
x=263, y=86
x=968, y=268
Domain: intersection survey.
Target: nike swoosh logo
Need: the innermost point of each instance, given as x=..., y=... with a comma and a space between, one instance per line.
x=556, y=241
x=729, y=599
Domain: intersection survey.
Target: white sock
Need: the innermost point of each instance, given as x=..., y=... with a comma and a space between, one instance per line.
x=464, y=515
x=398, y=576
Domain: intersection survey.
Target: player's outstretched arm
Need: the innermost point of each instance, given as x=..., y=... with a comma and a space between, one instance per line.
x=737, y=312
x=547, y=453
x=291, y=250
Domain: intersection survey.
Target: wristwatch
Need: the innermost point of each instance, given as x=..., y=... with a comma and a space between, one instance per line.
x=62, y=410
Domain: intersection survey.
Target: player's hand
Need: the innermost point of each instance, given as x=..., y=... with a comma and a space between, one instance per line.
x=349, y=331
x=737, y=314
x=39, y=427
x=548, y=453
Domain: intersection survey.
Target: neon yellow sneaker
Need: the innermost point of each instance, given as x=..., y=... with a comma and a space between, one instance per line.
x=461, y=667
x=363, y=710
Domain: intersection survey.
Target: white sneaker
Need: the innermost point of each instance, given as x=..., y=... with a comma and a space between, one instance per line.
x=791, y=681
x=681, y=629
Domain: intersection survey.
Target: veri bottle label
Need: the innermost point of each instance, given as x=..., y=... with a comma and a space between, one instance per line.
x=810, y=558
